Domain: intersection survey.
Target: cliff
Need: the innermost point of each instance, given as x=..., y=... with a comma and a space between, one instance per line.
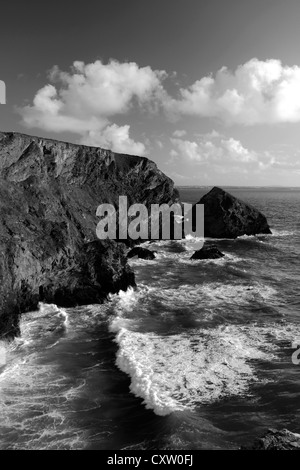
x=225, y=216
x=49, y=194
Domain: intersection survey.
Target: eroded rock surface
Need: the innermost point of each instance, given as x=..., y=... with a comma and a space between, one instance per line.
x=276, y=440
x=141, y=252
x=225, y=216
x=49, y=194
x=208, y=252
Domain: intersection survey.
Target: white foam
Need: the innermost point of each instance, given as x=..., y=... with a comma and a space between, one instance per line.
x=65, y=317
x=219, y=293
x=127, y=298
x=179, y=372
x=282, y=233
x=36, y=398
x=228, y=258
x=193, y=239
x=142, y=262
x=215, y=294
x=39, y=326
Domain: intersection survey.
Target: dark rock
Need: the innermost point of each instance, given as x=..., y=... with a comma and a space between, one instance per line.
x=276, y=440
x=225, y=216
x=208, y=252
x=142, y=253
x=49, y=194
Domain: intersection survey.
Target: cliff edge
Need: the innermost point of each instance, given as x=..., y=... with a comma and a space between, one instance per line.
x=49, y=194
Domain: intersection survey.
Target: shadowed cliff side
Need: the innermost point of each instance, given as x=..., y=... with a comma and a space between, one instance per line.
x=49, y=194
x=226, y=216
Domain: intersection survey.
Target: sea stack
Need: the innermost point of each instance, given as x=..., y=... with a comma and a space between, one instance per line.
x=225, y=216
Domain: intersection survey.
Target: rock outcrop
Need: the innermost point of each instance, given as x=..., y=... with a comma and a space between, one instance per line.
x=225, y=216
x=276, y=440
x=208, y=252
x=141, y=252
x=49, y=194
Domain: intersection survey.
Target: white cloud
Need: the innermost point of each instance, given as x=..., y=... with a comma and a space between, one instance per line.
x=107, y=89
x=179, y=133
x=84, y=100
x=256, y=92
x=115, y=138
x=237, y=152
x=221, y=150
x=187, y=149
x=212, y=135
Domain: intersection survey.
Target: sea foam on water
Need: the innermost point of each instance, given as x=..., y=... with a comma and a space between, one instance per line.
x=179, y=372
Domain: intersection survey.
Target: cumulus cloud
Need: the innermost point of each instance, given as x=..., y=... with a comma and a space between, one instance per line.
x=257, y=92
x=237, y=152
x=212, y=151
x=115, y=138
x=187, y=149
x=84, y=100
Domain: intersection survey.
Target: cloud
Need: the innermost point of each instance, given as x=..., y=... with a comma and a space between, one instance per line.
x=84, y=100
x=179, y=133
x=257, y=92
x=218, y=151
x=188, y=150
x=237, y=152
x=115, y=138
x=222, y=155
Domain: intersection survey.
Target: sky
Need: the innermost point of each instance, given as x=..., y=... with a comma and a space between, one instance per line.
x=208, y=89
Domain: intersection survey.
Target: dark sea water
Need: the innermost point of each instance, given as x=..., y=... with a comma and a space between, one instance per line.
x=198, y=357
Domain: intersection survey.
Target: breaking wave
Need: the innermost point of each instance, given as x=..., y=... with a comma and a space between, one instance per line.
x=180, y=372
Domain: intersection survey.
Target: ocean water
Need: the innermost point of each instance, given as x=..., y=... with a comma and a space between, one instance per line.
x=198, y=357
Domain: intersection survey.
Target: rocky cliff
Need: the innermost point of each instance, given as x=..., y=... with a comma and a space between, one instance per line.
x=225, y=216
x=49, y=194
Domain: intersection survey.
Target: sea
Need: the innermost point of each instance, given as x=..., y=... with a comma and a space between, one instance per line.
x=202, y=355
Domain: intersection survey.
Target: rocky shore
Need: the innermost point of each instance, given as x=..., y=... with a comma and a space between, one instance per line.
x=49, y=195
x=276, y=440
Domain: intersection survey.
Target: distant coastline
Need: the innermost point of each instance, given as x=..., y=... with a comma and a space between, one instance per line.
x=277, y=188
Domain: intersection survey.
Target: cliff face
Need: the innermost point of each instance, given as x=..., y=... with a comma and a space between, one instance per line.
x=49, y=194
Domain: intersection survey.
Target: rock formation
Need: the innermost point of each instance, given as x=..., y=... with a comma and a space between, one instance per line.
x=208, y=252
x=225, y=216
x=141, y=252
x=276, y=440
x=49, y=194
